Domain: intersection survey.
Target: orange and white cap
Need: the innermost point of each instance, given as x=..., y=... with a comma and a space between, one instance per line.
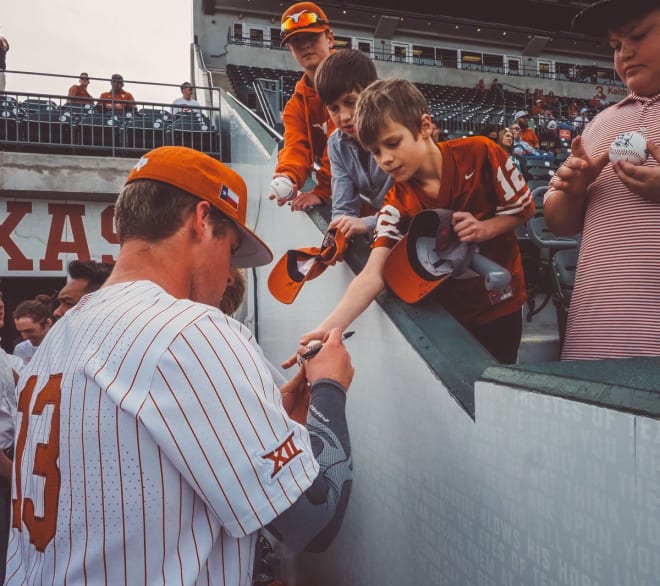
x=428, y=255
x=303, y=17
x=296, y=267
x=207, y=178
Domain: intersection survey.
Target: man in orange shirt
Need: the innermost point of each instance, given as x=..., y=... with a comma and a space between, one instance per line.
x=78, y=93
x=526, y=133
x=306, y=32
x=117, y=98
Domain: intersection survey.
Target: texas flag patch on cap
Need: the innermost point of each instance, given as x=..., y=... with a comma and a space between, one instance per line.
x=229, y=196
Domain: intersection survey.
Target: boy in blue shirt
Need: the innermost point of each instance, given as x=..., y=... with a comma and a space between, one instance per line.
x=358, y=183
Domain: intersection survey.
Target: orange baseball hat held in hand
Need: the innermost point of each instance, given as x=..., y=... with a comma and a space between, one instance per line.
x=296, y=267
x=428, y=255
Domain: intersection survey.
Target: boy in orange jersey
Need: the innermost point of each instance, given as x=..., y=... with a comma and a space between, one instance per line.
x=306, y=32
x=475, y=179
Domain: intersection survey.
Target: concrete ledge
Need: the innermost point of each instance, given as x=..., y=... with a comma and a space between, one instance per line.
x=34, y=175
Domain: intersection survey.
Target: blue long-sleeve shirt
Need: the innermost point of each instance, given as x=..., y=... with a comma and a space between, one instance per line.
x=352, y=183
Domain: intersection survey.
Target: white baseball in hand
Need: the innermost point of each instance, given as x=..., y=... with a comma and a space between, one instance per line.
x=630, y=147
x=283, y=188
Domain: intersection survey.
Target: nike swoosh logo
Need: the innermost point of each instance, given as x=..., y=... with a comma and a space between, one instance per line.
x=468, y=176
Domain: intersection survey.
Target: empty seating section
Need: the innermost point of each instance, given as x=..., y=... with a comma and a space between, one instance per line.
x=461, y=111
x=38, y=124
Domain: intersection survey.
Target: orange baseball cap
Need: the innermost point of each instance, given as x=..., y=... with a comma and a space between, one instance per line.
x=303, y=17
x=207, y=178
x=428, y=255
x=296, y=267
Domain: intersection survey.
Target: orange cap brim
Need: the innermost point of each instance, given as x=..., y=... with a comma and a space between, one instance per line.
x=290, y=273
x=296, y=267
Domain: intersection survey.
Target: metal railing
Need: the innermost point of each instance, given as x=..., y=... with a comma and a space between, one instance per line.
x=44, y=122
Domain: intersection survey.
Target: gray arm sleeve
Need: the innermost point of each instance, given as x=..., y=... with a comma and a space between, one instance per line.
x=311, y=523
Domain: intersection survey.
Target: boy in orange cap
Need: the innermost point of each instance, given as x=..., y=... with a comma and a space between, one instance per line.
x=307, y=34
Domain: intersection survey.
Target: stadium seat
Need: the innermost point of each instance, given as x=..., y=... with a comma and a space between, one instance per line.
x=9, y=124
x=194, y=130
x=146, y=130
x=46, y=125
x=564, y=264
x=100, y=130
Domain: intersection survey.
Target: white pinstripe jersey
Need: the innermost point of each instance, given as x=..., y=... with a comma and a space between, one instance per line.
x=151, y=445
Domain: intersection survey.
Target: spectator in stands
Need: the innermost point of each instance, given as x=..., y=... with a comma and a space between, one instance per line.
x=85, y=277
x=436, y=133
x=522, y=148
x=185, y=103
x=8, y=379
x=573, y=111
x=481, y=86
x=117, y=98
x=306, y=32
x=4, y=48
x=78, y=93
x=358, y=183
x=471, y=176
x=581, y=120
x=550, y=101
x=505, y=140
x=489, y=131
x=614, y=311
x=498, y=89
x=537, y=108
x=32, y=319
x=521, y=119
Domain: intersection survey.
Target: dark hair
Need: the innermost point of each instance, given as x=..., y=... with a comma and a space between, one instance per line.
x=153, y=210
x=185, y=84
x=37, y=309
x=486, y=129
x=94, y=272
x=344, y=71
x=397, y=99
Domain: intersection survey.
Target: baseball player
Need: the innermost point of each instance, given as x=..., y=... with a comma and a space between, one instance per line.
x=151, y=442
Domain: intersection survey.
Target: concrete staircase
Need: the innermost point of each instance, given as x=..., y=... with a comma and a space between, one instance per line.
x=221, y=80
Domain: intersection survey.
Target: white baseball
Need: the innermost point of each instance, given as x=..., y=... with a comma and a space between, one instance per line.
x=283, y=188
x=630, y=147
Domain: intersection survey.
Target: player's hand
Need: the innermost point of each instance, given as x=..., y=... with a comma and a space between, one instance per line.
x=318, y=334
x=350, y=226
x=333, y=361
x=579, y=171
x=468, y=228
x=305, y=200
x=281, y=202
x=642, y=180
x=295, y=396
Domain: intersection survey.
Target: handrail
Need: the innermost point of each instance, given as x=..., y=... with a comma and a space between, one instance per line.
x=263, y=103
x=275, y=134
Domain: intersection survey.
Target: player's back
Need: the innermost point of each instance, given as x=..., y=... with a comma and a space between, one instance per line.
x=97, y=495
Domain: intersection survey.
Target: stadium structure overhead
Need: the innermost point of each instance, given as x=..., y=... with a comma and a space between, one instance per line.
x=524, y=25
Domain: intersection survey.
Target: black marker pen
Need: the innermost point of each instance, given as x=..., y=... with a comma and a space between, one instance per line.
x=314, y=350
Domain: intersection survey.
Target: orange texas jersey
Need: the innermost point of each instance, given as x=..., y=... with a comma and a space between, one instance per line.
x=478, y=177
